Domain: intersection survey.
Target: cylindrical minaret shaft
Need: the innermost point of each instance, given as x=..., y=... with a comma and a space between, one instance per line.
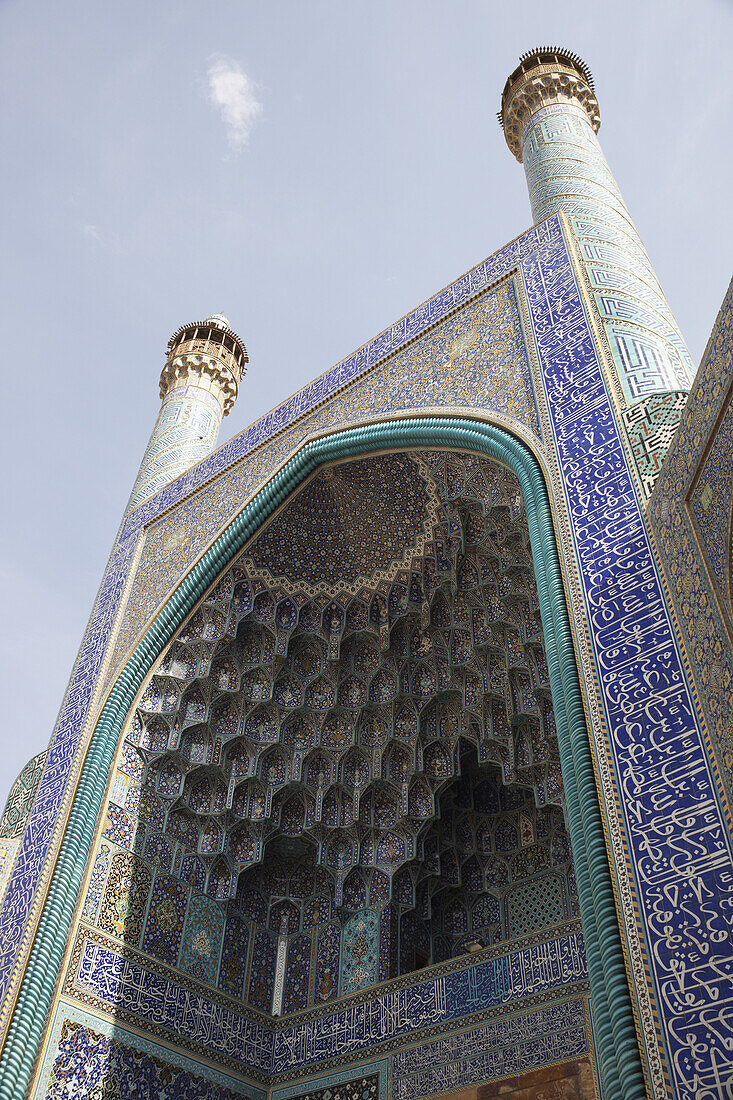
x=198, y=385
x=550, y=117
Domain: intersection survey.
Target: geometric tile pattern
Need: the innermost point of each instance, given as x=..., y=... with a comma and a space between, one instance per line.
x=566, y=170
x=650, y=426
x=20, y=799
x=186, y=430
x=537, y=904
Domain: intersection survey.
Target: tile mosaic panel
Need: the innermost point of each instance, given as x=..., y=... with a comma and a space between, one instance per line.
x=126, y=898
x=164, y=924
x=326, y=981
x=361, y=1088
x=121, y=827
x=370, y=1073
x=20, y=800
x=388, y=943
x=234, y=955
x=711, y=501
x=202, y=938
x=105, y=977
x=262, y=971
x=476, y=358
x=359, y=952
x=297, y=974
x=510, y=1046
x=96, y=1066
x=656, y=757
x=92, y=1056
x=650, y=425
x=8, y=848
x=97, y=883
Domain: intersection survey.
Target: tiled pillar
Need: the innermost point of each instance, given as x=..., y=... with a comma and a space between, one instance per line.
x=550, y=116
x=198, y=385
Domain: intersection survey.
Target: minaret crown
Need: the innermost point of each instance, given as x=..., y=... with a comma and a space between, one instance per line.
x=220, y=320
x=207, y=354
x=545, y=75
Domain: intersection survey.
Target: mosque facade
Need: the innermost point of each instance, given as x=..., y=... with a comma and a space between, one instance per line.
x=397, y=758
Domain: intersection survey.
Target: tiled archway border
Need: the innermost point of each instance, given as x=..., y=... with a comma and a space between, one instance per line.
x=614, y=1033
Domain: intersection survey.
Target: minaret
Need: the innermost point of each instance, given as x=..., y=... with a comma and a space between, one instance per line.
x=204, y=365
x=549, y=113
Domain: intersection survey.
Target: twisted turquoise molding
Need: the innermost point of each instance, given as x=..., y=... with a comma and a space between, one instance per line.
x=613, y=1024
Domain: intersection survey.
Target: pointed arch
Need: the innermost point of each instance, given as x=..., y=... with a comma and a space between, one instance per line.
x=615, y=1031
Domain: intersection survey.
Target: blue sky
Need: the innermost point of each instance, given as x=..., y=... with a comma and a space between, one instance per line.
x=311, y=168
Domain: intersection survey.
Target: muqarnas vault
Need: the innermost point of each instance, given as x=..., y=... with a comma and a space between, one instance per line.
x=397, y=757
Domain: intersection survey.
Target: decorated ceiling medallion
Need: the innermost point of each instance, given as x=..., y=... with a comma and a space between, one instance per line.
x=353, y=524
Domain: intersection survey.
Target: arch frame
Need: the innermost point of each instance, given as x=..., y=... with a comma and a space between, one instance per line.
x=613, y=1019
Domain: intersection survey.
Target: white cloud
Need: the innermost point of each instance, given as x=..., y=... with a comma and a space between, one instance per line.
x=109, y=241
x=232, y=91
